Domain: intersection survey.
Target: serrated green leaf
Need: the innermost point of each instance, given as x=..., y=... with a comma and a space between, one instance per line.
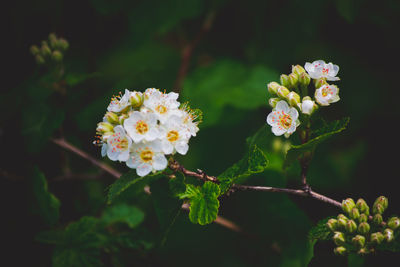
x=127, y=180
x=123, y=213
x=204, y=204
x=253, y=162
x=46, y=204
x=320, y=231
x=297, y=150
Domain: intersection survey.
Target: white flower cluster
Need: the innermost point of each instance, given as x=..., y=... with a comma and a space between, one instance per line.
x=141, y=128
x=292, y=95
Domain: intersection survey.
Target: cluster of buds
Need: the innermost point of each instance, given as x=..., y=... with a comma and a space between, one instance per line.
x=361, y=231
x=290, y=96
x=141, y=128
x=50, y=51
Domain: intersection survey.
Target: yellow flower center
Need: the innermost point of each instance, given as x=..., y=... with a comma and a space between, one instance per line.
x=326, y=91
x=172, y=136
x=122, y=144
x=161, y=109
x=146, y=155
x=285, y=121
x=142, y=127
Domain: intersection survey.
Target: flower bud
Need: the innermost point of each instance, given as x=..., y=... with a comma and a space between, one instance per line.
x=351, y=226
x=53, y=40
x=362, y=206
x=293, y=79
x=363, y=228
x=363, y=251
x=57, y=56
x=272, y=101
x=358, y=241
x=394, y=223
x=377, y=238
x=332, y=224
x=377, y=219
x=273, y=88
x=383, y=201
x=39, y=59
x=293, y=99
x=282, y=91
x=122, y=118
x=34, y=50
x=63, y=44
x=285, y=80
x=320, y=82
x=308, y=106
x=378, y=209
x=103, y=127
x=136, y=99
x=388, y=234
x=342, y=220
x=347, y=205
x=112, y=117
x=304, y=79
x=340, y=251
x=298, y=69
x=363, y=218
x=339, y=239
x=354, y=214
x=45, y=49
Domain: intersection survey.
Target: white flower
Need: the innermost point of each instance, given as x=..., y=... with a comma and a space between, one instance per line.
x=142, y=126
x=118, y=145
x=175, y=136
x=163, y=105
x=147, y=157
x=283, y=119
x=319, y=69
x=188, y=122
x=327, y=94
x=308, y=106
x=119, y=104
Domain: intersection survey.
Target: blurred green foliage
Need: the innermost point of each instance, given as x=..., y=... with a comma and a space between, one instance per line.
x=138, y=44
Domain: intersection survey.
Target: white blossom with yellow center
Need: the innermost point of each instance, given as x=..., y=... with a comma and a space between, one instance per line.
x=319, y=69
x=118, y=103
x=118, y=145
x=327, y=94
x=175, y=136
x=283, y=119
x=147, y=157
x=163, y=105
x=142, y=126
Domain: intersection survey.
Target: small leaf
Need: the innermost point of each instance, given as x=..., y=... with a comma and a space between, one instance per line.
x=123, y=213
x=46, y=204
x=204, y=204
x=297, y=150
x=253, y=162
x=320, y=231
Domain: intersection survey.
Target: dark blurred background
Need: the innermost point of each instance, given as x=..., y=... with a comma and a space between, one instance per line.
x=238, y=47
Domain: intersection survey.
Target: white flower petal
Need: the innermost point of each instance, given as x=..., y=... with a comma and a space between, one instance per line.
x=272, y=118
x=159, y=162
x=182, y=148
x=293, y=113
x=143, y=169
x=167, y=147
x=282, y=106
x=278, y=131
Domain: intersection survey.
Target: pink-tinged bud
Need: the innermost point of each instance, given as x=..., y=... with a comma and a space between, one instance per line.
x=298, y=69
x=383, y=201
x=358, y=241
x=332, y=224
x=39, y=59
x=34, y=50
x=112, y=117
x=103, y=127
x=320, y=82
x=394, y=223
x=340, y=251
x=342, y=221
x=351, y=226
x=272, y=101
x=57, y=56
x=136, y=99
x=362, y=206
x=377, y=238
x=45, y=49
x=63, y=44
x=363, y=228
x=347, y=205
x=339, y=238
x=282, y=91
x=378, y=209
x=354, y=214
x=273, y=88
x=293, y=98
x=53, y=40
x=293, y=79
x=363, y=218
x=304, y=79
x=388, y=235
x=377, y=219
x=285, y=80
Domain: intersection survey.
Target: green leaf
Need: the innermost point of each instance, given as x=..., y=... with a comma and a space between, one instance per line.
x=46, y=204
x=227, y=83
x=320, y=231
x=204, y=204
x=354, y=260
x=253, y=162
x=297, y=150
x=127, y=180
x=123, y=213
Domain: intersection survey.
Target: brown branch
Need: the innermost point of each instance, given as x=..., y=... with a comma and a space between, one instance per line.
x=187, y=51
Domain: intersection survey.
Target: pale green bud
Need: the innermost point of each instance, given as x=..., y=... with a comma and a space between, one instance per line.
x=285, y=80
x=272, y=101
x=339, y=239
x=63, y=44
x=342, y=220
x=45, y=49
x=112, y=117
x=320, y=82
x=363, y=251
x=53, y=40
x=298, y=69
x=351, y=226
x=362, y=206
x=122, y=118
x=293, y=79
x=103, y=127
x=57, y=56
x=34, y=50
x=358, y=241
x=354, y=214
x=340, y=251
x=388, y=234
x=347, y=205
x=304, y=79
x=394, y=223
x=39, y=59
x=136, y=99
x=293, y=99
x=363, y=228
x=363, y=218
x=332, y=224
x=383, y=201
x=377, y=219
x=282, y=91
x=378, y=209
x=273, y=88
x=377, y=238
